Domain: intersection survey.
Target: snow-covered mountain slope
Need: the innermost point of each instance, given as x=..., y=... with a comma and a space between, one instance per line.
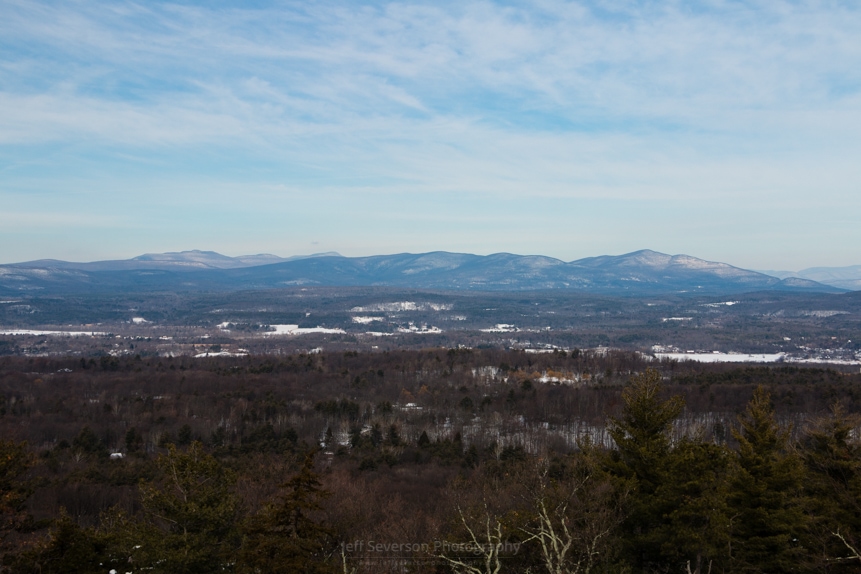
x=176, y=261
x=638, y=273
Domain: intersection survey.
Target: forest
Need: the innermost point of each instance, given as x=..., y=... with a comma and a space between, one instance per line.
x=481, y=461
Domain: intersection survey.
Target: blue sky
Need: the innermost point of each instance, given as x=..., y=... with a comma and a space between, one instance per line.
x=727, y=130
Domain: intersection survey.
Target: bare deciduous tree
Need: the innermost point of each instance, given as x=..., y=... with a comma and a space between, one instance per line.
x=574, y=517
x=486, y=540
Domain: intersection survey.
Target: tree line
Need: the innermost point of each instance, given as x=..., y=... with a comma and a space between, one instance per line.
x=317, y=465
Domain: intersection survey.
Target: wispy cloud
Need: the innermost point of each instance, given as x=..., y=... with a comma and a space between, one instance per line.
x=620, y=100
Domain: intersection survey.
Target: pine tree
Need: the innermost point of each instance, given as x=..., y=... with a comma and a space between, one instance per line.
x=642, y=436
x=765, y=497
x=69, y=548
x=285, y=536
x=833, y=461
x=695, y=532
x=14, y=490
x=191, y=510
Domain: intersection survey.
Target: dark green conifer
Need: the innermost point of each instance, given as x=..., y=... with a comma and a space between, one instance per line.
x=287, y=536
x=765, y=497
x=69, y=548
x=832, y=457
x=15, y=460
x=191, y=509
x=642, y=436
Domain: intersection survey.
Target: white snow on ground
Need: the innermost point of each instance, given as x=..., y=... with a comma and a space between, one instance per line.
x=665, y=319
x=500, y=328
x=238, y=353
x=378, y=334
x=366, y=320
x=568, y=380
x=423, y=330
x=723, y=357
x=296, y=330
x=55, y=333
x=824, y=314
x=223, y=325
x=727, y=303
x=716, y=357
x=400, y=306
x=387, y=307
x=488, y=373
x=823, y=361
x=139, y=320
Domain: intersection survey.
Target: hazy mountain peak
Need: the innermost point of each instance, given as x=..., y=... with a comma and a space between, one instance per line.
x=194, y=255
x=643, y=257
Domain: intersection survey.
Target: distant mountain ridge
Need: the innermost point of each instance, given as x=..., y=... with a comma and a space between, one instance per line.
x=843, y=277
x=639, y=273
x=178, y=260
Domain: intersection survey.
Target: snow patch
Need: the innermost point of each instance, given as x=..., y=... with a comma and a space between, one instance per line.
x=716, y=357
x=500, y=328
x=824, y=314
x=296, y=330
x=400, y=306
x=422, y=330
x=238, y=353
x=55, y=333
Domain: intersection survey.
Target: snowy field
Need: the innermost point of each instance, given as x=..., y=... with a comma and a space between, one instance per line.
x=723, y=357
x=751, y=358
x=296, y=330
x=19, y=332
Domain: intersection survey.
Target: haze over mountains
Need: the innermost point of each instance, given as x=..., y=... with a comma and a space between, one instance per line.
x=638, y=273
x=178, y=260
x=843, y=277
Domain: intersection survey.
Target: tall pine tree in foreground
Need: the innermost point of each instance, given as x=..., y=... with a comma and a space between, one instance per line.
x=14, y=490
x=191, y=510
x=286, y=536
x=677, y=509
x=765, y=497
x=832, y=455
x=642, y=436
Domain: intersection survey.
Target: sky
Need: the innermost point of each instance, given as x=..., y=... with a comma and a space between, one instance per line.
x=726, y=130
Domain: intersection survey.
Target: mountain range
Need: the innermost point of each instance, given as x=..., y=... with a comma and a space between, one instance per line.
x=843, y=277
x=639, y=273
x=172, y=261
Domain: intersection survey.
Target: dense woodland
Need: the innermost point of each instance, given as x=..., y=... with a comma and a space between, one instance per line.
x=440, y=460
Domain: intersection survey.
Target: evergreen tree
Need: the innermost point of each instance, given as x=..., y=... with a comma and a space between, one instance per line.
x=394, y=437
x=15, y=460
x=424, y=440
x=765, y=497
x=69, y=548
x=192, y=510
x=134, y=440
x=642, y=436
x=833, y=461
x=694, y=533
x=88, y=442
x=285, y=536
x=376, y=435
